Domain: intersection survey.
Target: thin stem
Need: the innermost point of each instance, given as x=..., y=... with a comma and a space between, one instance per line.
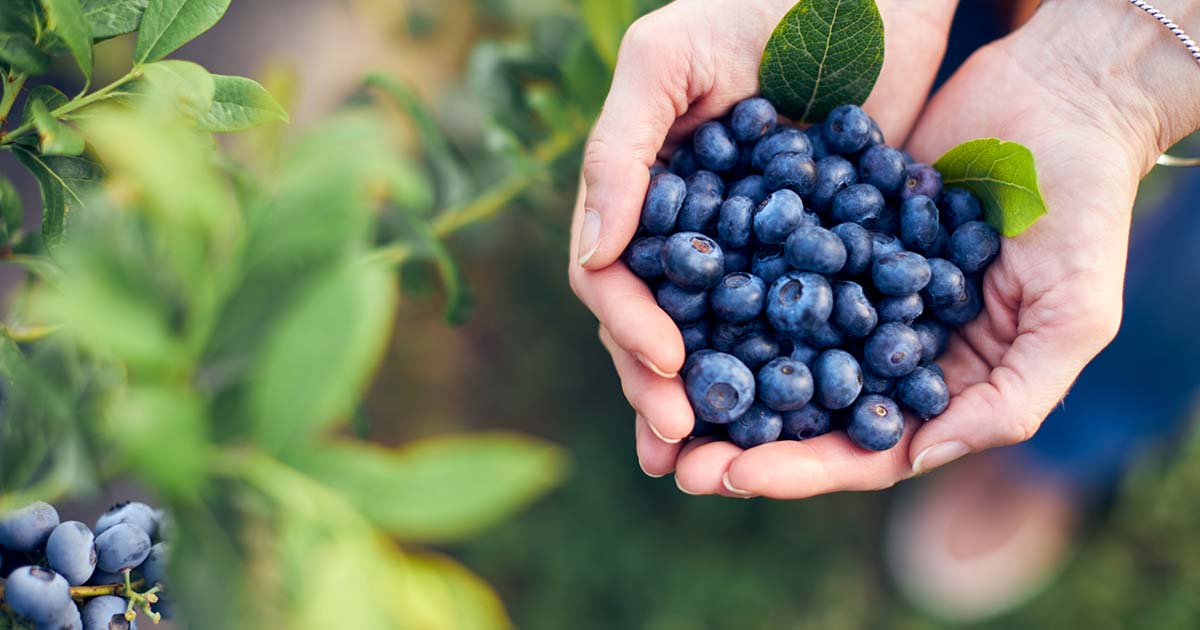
x=77, y=104
x=86, y=592
x=12, y=87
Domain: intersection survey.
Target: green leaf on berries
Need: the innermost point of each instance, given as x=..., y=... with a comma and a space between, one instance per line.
x=18, y=52
x=109, y=18
x=823, y=54
x=240, y=104
x=606, y=22
x=1004, y=177
x=168, y=24
x=64, y=181
x=54, y=136
x=303, y=382
x=65, y=19
x=444, y=488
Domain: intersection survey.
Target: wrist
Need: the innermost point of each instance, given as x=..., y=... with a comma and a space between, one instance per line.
x=1120, y=66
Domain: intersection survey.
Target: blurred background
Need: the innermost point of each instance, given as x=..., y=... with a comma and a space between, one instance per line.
x=614, y=548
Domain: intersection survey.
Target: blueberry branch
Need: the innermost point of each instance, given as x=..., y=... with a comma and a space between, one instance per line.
x=12, y=87
x=74, y=105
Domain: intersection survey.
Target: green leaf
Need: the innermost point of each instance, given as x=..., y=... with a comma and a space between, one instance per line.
x=65, y=19
x=168, y=24
x=606, y=22
x=319, y=357
x=186, y=84
x=64, y=181
x=459, y=298
x=47, y=94
x=54, y=136
x=18, y=51
x=12, y=212
x=140, y=419
x=469, y=599
x=109, y=18
x=1004, y=177
x=823, y=54
x=240, y=104
x=440, y=489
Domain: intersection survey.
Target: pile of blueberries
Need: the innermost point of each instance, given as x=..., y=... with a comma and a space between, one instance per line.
x=43, y=558
x=815, y=275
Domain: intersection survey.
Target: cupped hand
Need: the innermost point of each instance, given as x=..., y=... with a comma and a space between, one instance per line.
x=689, y=62
x=1052, y=298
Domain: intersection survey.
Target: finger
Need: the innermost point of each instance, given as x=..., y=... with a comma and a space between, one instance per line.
x=820, y=465
x=702, y=465
x=660, y=401
x=1024, y=387
x=656, y=457
x=649, y=91
x=624, y=305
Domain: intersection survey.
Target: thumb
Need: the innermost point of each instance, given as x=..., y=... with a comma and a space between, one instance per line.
x=649, y=91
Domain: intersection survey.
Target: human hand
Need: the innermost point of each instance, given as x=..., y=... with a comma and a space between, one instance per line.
x=1095, y=123
x=678, y=67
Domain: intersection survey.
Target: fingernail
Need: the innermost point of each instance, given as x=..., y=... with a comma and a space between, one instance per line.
x=647, y=472
x=684, y=490
x=660, y=436
x=729, y=486
x=939, y=455
x=654, y=368
x=589, y=236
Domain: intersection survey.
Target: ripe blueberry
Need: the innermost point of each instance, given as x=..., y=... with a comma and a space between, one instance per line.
x=121, y=547
x=784, y=384
x=852, y=311
x=834, y=174
x=799, y=302
x=924, y=393
x=946, y=282
x=919, y=224
x=775, y=218
x=815, y=249
x=901, y=308
x=876, y=423
x=739, y=297
x=882, y=167
x=27, y=528
x=807, y=422
x=792, y=171
x=756, y=349
x=720, y=387
x=860, y=203
x=973, y=246
x=759, y=425
x=699, y=212
x=858, y=244
x=37, y=594
x=783, y=140
x=715, y=147
x=901, y=273
x=893, y=350
x=663, y=201
x=644, y=257
x=961, y=311
x=921, y=179
x=683, y=305
x=847, y=130
x=752, y=186
x=693, y=260
x=838, y=378
x=934, y=339
x=959, y=206
x=753, y=119
x=71, y=552
x=696, y=335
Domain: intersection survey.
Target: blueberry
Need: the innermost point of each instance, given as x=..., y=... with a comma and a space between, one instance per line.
x=775, y=218
x=664, y=198
x=804, y=353
x=753, y=119
x=875, y=384
x=699, y=212
x=876, y=423
x=692, y=357
x=715, y=147
x=946, y=282
x=739, y=297
x=799, y=302
x=725, y=335
x=901, y=273
x=834, y=174
x=28, y=528
x=893, y=350
x=876, y=137
x=657, y=170
x=756, y=349
x=37, y=594
x=924, y=393
x=693, y=260
x=695, y=335
x=921, y=179
x=707, y=429
x=815, y=249
x=792, y=171
x=860, y=203
x=807, y=422
x=934, y=339
x=644, y=257
x=901, y=308
x=963, y=310
x=825, y=336
x=71, y=552
x=847, y=130
x=857, y=241
x=882, y=167
x=919, y=224
x=759, y=425
x=769, y=263
x=784, y=140
x=684, y=161
x=908, y=158
x=817, y=141
x=935, y=368
x=888, y=221
x=121, y=547
x=883, y=244
x=734, y=222
x=705, y=182
x=752, y=186
x=973, y=246
x=69, y=619
x=736, y=259
x=785, y=384
x=154, y=569
x=959, y=206
x=720, y=388
x=941, y=245
x=107, y=612
x=838, y=378
x=104, y=578
x=852, y=311
x=683, y=305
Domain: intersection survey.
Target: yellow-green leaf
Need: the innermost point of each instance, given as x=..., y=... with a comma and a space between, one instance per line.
x=54, y=136
x=1004, y=177
x=168, y=24
x=65, y=18
x=606, y=22
x=239, y=104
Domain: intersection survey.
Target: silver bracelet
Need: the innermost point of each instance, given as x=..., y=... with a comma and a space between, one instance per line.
x=1190, y=44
